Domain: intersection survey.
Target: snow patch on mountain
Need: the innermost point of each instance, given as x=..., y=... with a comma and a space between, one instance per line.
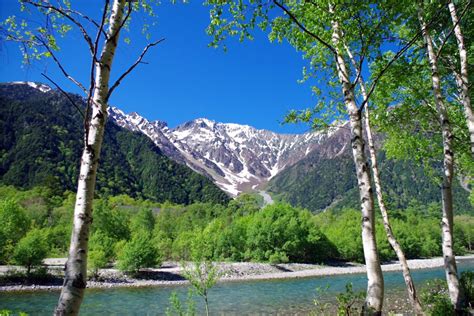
x=237, y=157
x=39, y=86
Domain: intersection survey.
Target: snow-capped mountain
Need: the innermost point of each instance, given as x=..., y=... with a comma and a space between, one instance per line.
x=39, y=86
x=237, y=157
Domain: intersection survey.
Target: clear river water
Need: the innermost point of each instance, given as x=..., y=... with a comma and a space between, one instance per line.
x=275, y=297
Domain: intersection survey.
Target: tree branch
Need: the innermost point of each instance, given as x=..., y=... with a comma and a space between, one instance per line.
x=65, y=94
x=67, y=16
x=138, y=61
x=302, y=27
x=98, y=25
x=63, y=70
x=385, y=68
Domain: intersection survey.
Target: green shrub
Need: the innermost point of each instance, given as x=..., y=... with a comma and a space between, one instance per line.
x=101, y=251
x=6, y=312
x=13, y=225
x=31, y=249
x=96, y=259
x=435, y=298
x=138, y=253
x=284, y=233
x=278, y=257
x=177, y=308
x=350, y=302
x=58, y=240
x=467, y=284
x=144, y=220
x=202, y=275
x=344, y=231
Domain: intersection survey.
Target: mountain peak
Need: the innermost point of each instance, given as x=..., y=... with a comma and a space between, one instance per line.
x=237, y=157
x=204, y=122
x=36, y=85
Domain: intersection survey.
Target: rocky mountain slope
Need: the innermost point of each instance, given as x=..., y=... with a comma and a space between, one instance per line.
x=237, y=157
x=41, y=142
x=322, y=181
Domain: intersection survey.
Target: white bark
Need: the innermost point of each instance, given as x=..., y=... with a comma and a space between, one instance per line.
x=76, y=267
x=448, y=169
x=462, y=78
x=386, y=221
x=383, y=209
x=375, y=282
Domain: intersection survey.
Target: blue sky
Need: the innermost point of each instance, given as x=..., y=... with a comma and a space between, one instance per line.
x=253, y=83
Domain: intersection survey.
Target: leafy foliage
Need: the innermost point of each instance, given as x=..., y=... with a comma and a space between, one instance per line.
x=202, y=276
x=140, y=233
x=138, y=253
x=350, y=302
x=14, y=226
x=31, y=249
x=435, y=297
x=467, y=283
x=177, y=307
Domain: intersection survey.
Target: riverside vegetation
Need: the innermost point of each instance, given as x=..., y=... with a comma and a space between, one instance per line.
x=137, y=234
x=140, y=233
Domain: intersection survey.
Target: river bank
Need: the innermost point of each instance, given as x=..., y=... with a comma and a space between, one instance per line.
x=170, y=273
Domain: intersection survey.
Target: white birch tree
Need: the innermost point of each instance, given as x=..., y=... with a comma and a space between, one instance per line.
x=424, y=126
x=448, y=169
x=412, y=294
x=462, y=75
x=36, y=42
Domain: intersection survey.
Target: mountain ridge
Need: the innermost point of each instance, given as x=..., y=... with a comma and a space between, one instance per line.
x=237, y=157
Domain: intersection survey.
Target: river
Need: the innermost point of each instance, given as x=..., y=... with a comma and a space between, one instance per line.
x=267, y=199
x=283, y=297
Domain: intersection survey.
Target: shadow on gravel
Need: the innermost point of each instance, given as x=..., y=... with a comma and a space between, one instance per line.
x=159, y=275
x=35, y=278
x=283, y=269
x=339, y=264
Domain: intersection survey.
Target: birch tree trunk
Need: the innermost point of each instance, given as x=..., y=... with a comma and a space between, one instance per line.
x=76, y=266
x=383, y=209
x=448, y=169
x=463, y=80
x=386, y=221
x=375, y=282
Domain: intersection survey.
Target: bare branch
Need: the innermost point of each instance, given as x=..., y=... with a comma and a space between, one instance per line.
x=61, y=67
x=138, y=61
x=304, y=29
x=44, y=5
x=86, y=17
x=65, y=94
